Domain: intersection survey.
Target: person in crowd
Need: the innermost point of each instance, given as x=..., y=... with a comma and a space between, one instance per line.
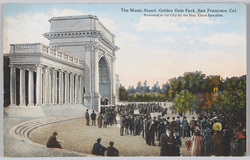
x=148, y=124
x=168, y=122
x=98, y=148
x=226, y=146
x=53, y=142
x=111, y=150
x=152, y=130
x=177, y=143
x=161, y=130
x=192, y=125
x=197, y=144
x=126, y=123
x=143, y=126
x=87, y=117
x=178, y=121
x=173, y=124
x=240, y=142
x=137, y=126
x=122, y=126
x=132, y=125
x=167, y=143
x=99, y=119
x=185, y=127
x=105, y=120
x=208, y=142
x=217, y=143
x=93, y=118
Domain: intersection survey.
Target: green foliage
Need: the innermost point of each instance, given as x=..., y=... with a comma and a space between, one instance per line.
x=233, y=98
x=184, y=101
x=197, y=91
x=148, y=97
x=123, y=95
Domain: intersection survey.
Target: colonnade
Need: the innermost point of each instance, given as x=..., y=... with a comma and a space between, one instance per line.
x=52, y=86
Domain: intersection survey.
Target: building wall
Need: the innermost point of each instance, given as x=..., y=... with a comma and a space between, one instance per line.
x=86, y=38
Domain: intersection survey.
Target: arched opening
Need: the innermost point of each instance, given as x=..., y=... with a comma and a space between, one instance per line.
x=104, y=81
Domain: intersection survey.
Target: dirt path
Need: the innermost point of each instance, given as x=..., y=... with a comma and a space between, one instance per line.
x=76, y=136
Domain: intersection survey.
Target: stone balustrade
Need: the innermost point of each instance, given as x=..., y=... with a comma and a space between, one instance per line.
x=44, y=49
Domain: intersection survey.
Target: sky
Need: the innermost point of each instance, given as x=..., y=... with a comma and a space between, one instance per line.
x=152, y=48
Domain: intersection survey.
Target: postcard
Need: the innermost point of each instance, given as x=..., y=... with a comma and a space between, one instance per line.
x=127, y=80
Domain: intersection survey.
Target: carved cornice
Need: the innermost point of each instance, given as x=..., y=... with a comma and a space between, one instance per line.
x=81, y=34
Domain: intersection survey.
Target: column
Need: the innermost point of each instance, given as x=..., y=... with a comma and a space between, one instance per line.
x=60, y=87
x=66, y=88
x=71, y=87
x=80, y=89
x=50, y=86
x=12, y=85
x=54, y=86
x=114, y=97
x=22, y=88
x=96, y=103
x=47, y=87
x=43, y=87
x=31, y=88
x=39, y=85
x=76, y=89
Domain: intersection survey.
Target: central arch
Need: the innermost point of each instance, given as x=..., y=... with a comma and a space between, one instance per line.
x=104, y=80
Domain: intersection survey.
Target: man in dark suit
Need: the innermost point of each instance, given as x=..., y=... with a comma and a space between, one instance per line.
x=152, y=130
x=98, y=148
x=173, y=124
x=161, y=129
x=185, y=127
x=167, y=143
x=93, y=118
x=87, y=117
x=178, y=121
x=177, y=143
x=148, y=124
x=112, y=151
x=52, y=142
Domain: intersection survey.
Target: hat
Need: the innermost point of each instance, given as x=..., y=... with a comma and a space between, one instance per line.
x=99, y=139
x=193, y=118
x=207, y=130
x=55, y=133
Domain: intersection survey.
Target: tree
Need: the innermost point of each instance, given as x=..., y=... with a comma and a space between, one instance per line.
x=131, y=90
x=184, y=101
x=212, y=84
x=139, y=87
x=156, y=88
x=233, y=98
x=146, y=88
x=123, y=93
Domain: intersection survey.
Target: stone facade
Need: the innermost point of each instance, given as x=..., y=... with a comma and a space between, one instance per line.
x=77, y=67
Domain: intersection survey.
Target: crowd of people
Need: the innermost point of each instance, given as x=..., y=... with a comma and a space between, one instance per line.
x=203, y=138
x=106, y=117
x=208, y=134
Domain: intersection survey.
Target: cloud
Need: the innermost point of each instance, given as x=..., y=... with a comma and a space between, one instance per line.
x=26, y=28
x=166, y=39
x=224, y=39
x=167, y=63
x=64, y=12
x=108, y=23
